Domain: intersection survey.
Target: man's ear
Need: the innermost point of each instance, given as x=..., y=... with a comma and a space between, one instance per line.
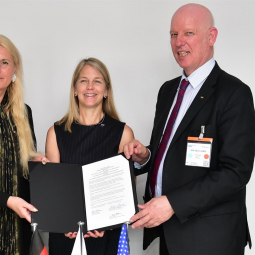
x=212, y=36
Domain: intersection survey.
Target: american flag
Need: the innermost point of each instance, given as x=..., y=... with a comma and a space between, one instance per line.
x=123, y=248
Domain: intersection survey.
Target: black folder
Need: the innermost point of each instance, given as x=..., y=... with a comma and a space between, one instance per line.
x=56, y=190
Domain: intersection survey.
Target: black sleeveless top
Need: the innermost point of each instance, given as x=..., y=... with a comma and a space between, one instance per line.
x=87, y=144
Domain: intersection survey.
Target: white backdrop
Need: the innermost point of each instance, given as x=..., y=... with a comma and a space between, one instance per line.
x=132, y=39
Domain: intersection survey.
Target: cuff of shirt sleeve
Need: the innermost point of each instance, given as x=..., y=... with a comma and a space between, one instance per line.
x=138, y=166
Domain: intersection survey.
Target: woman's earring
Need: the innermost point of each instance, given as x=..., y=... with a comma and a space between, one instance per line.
x=14, y=78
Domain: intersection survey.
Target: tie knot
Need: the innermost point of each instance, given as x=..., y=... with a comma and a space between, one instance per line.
x=184, y=84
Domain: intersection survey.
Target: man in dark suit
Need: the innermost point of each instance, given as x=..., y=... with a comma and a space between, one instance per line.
x=201, y=152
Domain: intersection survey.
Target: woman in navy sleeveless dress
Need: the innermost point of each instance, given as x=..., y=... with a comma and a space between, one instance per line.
x=90, y=131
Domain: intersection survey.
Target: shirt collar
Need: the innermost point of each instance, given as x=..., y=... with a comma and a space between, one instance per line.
x=199, y=75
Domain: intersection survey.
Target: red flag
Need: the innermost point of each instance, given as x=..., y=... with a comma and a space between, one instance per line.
x=37, y=246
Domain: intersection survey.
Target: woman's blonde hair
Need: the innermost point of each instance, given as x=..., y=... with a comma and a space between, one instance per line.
x=108, y=103
x=16, y=107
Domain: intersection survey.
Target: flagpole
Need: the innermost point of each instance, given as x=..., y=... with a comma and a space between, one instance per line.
x=128, y=241
x=80, y=223
x=34, y=226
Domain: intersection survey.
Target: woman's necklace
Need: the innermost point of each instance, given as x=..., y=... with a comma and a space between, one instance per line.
x=99, y=123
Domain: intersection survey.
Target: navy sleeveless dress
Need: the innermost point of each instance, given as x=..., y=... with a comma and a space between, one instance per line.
x=87, y=144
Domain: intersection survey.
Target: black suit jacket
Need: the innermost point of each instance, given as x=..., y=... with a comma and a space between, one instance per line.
x=209, y=203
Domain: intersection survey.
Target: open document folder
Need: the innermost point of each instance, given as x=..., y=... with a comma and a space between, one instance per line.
x=100, y=194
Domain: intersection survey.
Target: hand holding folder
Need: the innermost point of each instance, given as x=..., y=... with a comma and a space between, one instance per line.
x=101, y=194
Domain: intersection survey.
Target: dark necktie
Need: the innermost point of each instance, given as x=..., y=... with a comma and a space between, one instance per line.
x=166, y=136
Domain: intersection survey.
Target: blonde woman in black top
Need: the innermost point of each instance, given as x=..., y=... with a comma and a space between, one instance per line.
x=17, y=146
x=90, y=131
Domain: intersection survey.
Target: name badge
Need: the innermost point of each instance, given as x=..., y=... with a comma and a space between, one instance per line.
x=198, y=151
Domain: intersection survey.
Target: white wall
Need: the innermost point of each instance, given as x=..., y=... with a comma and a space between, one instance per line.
x=132, y=39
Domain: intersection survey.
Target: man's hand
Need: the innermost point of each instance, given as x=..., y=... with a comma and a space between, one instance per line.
x=153, y=213
x=21, y=207
x=138, y=151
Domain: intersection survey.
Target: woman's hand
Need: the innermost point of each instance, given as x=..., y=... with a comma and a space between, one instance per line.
x=21, y=207
x=41, y=158
x=96, y=234
x=71, y=235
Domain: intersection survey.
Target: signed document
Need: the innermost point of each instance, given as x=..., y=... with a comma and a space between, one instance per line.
x=108, y=192
x=100, y=194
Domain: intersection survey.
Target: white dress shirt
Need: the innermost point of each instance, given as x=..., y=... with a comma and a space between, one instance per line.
x=196, y=80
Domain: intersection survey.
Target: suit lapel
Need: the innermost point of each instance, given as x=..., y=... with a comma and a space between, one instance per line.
x=159, y=126
x=201, y=98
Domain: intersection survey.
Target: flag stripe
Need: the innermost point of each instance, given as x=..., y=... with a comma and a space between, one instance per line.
x=44, y=251
x=37, y=246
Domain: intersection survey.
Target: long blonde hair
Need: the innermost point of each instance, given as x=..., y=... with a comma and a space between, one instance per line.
x=16, y=108
x=108, y=103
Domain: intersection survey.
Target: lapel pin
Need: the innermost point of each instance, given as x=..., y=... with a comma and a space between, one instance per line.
x=202, y=97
